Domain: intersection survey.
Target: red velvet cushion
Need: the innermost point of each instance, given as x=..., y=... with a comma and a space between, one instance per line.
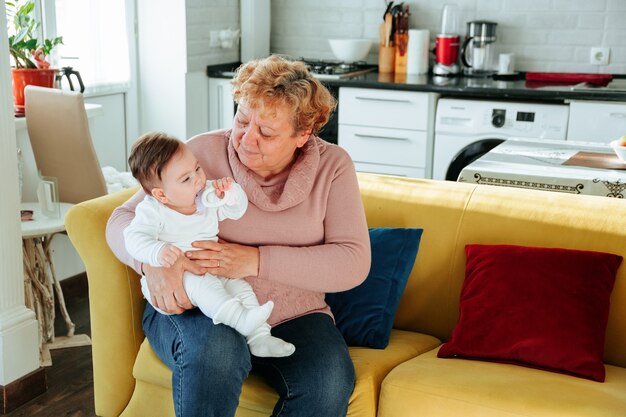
x=538, y=307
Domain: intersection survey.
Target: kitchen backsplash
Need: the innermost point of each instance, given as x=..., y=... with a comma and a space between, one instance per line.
x=202, y=18
x=545, y=35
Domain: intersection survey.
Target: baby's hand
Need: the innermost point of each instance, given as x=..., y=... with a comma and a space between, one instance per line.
x=168, y=255
x=222, y=185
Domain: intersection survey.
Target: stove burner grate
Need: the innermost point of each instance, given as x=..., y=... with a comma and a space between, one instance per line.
x=336, y=69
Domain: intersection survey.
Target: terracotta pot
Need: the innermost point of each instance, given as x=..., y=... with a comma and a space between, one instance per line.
x=29, y=76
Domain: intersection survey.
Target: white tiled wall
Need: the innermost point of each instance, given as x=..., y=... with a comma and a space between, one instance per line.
x=202, y=18
x=545, y=35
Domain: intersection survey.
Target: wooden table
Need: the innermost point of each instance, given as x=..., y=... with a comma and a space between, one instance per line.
x=41, y=283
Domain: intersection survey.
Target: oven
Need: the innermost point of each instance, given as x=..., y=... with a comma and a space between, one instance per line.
x=330, y=131
x=329, y=72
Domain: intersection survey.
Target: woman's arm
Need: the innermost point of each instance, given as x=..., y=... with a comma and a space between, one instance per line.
x=119, y=220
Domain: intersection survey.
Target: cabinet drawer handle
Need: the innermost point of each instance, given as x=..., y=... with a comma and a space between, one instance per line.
x=618, y=115
x=360, y=135
x=389, y=100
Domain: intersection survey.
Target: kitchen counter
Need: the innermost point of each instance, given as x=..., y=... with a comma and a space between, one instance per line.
x=465, y=87
x=487, y=88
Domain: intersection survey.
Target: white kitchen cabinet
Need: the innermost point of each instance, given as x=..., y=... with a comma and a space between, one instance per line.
x=402, y=147
x=596, y=121
x=221, y=104
x=388, y=131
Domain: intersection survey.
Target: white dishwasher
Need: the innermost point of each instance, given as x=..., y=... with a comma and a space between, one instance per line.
x=388, y=131
x=596, y=121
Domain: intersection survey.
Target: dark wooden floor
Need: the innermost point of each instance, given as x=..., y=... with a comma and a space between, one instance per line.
x=70, y=378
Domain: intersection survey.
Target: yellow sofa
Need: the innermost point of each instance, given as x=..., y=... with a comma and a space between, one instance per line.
x=406, y=378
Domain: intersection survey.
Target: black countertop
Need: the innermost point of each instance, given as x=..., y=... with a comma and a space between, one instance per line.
x=464, y=87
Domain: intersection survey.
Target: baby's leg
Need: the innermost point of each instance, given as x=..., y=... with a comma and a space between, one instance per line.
x=261, y=341
x=148, y=296
x=208, y=293
x=241, y=289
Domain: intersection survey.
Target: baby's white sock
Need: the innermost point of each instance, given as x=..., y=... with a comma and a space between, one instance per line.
x=264, y=345
x=244, y=320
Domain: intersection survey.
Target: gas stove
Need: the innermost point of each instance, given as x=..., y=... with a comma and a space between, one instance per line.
x=336, y=70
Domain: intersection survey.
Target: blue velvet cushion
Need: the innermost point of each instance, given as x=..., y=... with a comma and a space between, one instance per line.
x=365, y=314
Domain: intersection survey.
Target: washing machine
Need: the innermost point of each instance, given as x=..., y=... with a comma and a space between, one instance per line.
x=467, y=129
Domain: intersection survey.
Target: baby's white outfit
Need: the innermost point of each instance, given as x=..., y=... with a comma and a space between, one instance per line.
x=228, y=301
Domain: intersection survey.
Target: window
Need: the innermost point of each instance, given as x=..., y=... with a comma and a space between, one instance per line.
x=95, y=40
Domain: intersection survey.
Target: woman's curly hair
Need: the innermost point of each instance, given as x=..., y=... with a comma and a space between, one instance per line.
x=264, y=84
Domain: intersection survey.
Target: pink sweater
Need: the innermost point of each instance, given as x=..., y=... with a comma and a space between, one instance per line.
x=308, y=223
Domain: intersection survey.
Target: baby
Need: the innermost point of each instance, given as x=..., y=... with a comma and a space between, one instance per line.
x=180, y=207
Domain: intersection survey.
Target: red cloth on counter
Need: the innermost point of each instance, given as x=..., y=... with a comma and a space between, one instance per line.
x=570, y=78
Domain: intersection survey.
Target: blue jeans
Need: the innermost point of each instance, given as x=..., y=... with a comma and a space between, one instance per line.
x=210, y=362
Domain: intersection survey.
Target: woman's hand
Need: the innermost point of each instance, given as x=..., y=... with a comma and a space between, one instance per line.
x=166, y=285
x=226, y=259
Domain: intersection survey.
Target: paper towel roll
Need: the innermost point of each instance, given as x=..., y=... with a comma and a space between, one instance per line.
x=417, y=51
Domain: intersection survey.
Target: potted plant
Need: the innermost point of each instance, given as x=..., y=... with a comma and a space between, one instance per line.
x=27, y=50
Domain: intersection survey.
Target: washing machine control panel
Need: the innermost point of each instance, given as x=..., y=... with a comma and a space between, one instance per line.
x=513, y=121
x=506, y=119
x=498, y=118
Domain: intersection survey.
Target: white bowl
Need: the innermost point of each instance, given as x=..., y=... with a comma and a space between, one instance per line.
x=350, y=50
x=620, y=150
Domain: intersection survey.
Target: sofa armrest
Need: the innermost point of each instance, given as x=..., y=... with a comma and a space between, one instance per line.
x=115, y=301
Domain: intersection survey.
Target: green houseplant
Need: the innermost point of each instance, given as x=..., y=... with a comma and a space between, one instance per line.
x=27, y=49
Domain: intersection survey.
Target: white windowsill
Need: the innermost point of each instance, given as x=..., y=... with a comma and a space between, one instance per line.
x=106, y=89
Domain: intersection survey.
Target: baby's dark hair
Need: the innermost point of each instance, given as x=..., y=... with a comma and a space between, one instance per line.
x=149, y=156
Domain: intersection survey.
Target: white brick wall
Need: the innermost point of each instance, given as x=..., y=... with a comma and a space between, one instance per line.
x=546, y=35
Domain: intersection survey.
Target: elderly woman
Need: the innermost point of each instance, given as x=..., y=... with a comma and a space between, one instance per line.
x=304, y=235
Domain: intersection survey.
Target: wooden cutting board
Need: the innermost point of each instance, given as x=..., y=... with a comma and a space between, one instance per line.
x=596, y=160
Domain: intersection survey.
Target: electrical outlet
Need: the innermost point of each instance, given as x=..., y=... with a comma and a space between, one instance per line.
x=214, y=39
x=600, y=55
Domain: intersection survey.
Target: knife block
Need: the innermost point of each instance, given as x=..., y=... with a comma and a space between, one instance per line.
x=386, y=58
x=402, y=40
